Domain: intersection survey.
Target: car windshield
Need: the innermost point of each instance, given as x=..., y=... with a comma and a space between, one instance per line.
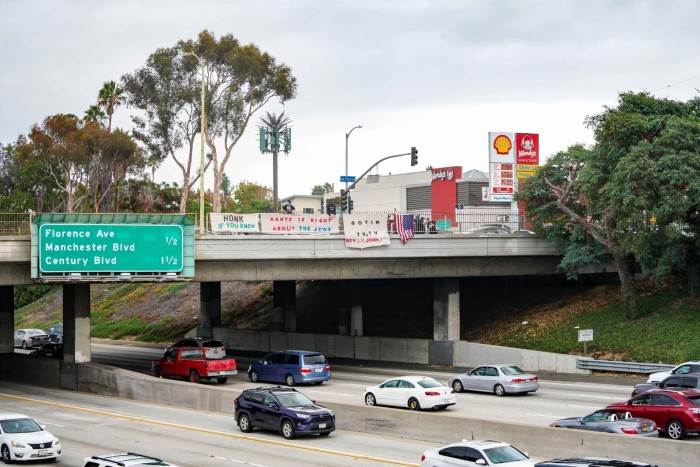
x=503, y=454
x=19, y=425
x=294, y=399
x=429, y=383
x=314, y=359
x=512, y=370
x=34, y=332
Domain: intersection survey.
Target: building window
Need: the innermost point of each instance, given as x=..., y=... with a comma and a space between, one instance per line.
x=308, y=210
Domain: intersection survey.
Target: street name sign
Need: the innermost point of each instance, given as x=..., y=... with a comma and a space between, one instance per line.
x=347, y=178
x=110, y=248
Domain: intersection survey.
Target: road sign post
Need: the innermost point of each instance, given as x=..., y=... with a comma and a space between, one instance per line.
x=585, y=336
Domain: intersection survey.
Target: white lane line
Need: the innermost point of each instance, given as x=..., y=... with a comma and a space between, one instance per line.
x=236, y=461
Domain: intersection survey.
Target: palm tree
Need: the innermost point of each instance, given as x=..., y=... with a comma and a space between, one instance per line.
x=94, y=115
x=109, y=98
x=275, y=126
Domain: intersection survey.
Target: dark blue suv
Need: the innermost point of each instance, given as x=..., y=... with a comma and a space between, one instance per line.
x=284, y=410
x=291, y=367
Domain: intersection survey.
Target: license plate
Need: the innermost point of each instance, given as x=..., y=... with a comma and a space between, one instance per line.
x=321, y=426
x=43, y=452
x=645, y=428
x=318, y=370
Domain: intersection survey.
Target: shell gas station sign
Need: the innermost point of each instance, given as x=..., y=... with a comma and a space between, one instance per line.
x=512, y=156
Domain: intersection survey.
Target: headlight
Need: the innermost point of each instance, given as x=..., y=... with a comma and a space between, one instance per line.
x=56, y=441
x=17, y=444
x=303, y=416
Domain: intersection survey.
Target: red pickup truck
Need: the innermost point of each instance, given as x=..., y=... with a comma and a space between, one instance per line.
x=191, y=363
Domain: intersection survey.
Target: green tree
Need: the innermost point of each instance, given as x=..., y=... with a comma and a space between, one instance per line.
x=240, y=80
x=633, y=196
x=109, y=98
x=94, y=115
x=249, y=197
x=274, y=126
x=323, y=189
x=166, y=92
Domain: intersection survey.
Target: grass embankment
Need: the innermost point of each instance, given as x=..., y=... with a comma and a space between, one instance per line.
x=666, y=331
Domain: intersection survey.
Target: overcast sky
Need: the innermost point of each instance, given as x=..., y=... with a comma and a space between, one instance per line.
x=437, y=75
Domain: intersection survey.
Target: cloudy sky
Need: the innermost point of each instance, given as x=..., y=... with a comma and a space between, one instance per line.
x=437, y=75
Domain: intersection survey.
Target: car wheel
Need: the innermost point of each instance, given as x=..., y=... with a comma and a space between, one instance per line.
x=244, y=423
x=675, y=430
x=457, y=386
x=222, y=379
x=288, y=430
x=370, y=399
x=24, y=345
x=289, y=379
x=6, y=455
x=253, y=375
x=413, y=404
x=194, y=377
x=157, y=372
x=499, y=390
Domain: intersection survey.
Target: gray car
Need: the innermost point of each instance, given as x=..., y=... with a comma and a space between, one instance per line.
x=500, y=379
x=610, y=421
x=678, y=381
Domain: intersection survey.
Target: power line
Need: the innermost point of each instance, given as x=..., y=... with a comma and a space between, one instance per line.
x=679, y=82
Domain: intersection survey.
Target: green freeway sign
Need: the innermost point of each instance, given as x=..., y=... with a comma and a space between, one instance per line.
x=110, y=248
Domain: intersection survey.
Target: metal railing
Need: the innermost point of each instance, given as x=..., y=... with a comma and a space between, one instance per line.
x=620, y=366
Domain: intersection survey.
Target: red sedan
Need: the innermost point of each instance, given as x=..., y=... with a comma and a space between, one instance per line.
x=676, y=412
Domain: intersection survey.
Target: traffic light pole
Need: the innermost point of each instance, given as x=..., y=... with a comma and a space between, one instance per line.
x=350, y=187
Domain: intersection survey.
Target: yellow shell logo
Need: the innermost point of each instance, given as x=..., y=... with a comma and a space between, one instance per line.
x=502, y=144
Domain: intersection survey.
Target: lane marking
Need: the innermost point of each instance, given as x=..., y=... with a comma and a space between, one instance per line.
x=207, y=431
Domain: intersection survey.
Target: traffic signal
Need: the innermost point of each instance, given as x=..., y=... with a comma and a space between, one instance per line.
x=351, y=205
x=343, y=201
x=414, y=156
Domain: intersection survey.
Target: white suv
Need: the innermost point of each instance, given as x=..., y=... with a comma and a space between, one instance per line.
x=687, y=367
x=130, y=458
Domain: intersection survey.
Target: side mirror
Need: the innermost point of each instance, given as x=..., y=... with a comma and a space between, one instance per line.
x=480, y=462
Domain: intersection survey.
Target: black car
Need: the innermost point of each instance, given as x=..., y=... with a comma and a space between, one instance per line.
x=677, y=381
x=284, y=410
x=55, y=333
x=592, y=462
x=53, y=349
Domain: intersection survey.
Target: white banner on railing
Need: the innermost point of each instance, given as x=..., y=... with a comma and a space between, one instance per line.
x=238, y=223
x=299, y=224
x=365, y=230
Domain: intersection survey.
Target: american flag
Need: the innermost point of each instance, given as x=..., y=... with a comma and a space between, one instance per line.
x=404, y=226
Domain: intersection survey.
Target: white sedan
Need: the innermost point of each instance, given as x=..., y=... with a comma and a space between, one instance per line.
x=414, y=392
x=22, y=439
x=473, y=453
x=27, y=338
x=687, y=367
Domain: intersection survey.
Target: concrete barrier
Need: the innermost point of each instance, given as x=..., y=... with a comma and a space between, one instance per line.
x=438, y=427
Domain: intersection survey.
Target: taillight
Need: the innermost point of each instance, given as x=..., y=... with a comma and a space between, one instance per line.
x=422, y=458
x=517, y=380
x=534, y=379
x=235, y=402
x=453, y=392
x=304, y=370
x=327, y=368
x=629, y=431
x=694, y=411
x=432, y=393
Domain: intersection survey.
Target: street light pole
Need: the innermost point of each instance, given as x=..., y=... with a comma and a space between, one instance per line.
x=347, y=137
x=201, y=162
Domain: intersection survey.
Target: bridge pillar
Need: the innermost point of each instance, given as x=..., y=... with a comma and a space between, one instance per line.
x=284, y=306
x=76, y=332
x=356, y=320
x=209, y=308
x=7, y=318
x=446, y=325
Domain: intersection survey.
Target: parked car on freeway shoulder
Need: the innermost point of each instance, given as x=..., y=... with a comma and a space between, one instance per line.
x=485, y=452
x=610, y=421
x=23, y=439
x=592, y=462
x=284, y=410
x=52, y=349
x=122, y=460
x=413, y=392
x=214, y=348
x=498, y=379
x=55, y=333
x=679, y=381
x=676, y=412
x=27, y=338
x=687, y=367
x=291, y=367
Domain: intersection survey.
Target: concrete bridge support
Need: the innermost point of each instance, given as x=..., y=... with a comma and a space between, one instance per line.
x=76, y=332
x=284, y=306
x=446, y=323
x=7, y=318
x=209, y=308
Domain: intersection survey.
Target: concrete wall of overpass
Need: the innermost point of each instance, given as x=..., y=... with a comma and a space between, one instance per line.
x=430, y=426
